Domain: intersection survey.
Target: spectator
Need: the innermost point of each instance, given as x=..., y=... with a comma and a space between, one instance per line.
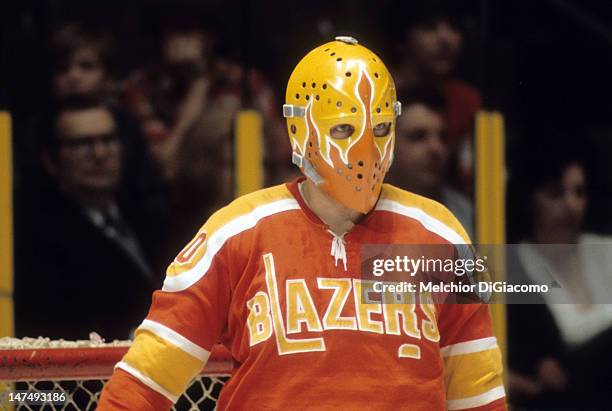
x=421, y=158
x=83, y=75
x=81, y=62
x=82, y=261
x=432, y=42
x=553, y=347
x=187, y=124
x=78, y=69
x=187, y=104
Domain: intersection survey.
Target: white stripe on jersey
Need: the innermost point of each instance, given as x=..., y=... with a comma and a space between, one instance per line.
x=175, y=338
x=477, y=400
x=218, y=238
x=430, y=223
x=146, y=380
x=469, y=347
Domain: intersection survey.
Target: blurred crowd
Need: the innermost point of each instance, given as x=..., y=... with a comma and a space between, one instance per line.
x=120, y=166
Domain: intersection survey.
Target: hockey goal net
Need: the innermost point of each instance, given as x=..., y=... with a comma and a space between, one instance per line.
x=79, y=369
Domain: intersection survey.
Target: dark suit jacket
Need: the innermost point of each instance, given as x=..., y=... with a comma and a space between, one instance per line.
x=71, y=278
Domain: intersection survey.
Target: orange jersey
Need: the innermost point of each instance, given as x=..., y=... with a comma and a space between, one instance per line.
x=259, y=278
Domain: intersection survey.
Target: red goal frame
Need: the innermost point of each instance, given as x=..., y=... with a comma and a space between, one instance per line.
x=83, y=363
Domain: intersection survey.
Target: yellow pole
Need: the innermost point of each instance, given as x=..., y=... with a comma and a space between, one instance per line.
x=248, y=152
x=6, y=227
x=490, y=205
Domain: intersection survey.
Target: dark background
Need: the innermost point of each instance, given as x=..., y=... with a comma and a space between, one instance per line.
x=545, y=64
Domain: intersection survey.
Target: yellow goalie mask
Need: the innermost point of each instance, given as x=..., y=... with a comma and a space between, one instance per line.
x=341, y=107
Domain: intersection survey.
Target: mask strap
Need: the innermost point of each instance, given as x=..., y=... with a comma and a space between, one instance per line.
x=291, y=111
x=310, y=172
x=397, y=108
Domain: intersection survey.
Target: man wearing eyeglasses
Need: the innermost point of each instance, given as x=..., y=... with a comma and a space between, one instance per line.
x=86, y=160
x=79, y=253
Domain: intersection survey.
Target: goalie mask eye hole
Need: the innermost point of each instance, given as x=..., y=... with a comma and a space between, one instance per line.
x=382, y=129
x=341, y=131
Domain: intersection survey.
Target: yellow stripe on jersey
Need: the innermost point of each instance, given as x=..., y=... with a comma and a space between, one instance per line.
x=434, y=216
x=175, y=338
x=473, y=374
x=162, y=362
x=242, y=214
x=239, y=207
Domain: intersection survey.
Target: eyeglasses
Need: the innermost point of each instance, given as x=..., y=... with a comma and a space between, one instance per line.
x=86, y=144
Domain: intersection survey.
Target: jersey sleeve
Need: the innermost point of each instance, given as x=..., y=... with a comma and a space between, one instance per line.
x=472, y=359
x=187, y=316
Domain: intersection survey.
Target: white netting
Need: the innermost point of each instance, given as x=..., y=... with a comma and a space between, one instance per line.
x=84, y=394
x=25, y=365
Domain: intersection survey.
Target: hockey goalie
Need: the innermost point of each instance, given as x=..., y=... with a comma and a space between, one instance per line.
x=275, y=276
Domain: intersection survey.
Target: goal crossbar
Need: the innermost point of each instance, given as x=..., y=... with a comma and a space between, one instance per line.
x=83, y=363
